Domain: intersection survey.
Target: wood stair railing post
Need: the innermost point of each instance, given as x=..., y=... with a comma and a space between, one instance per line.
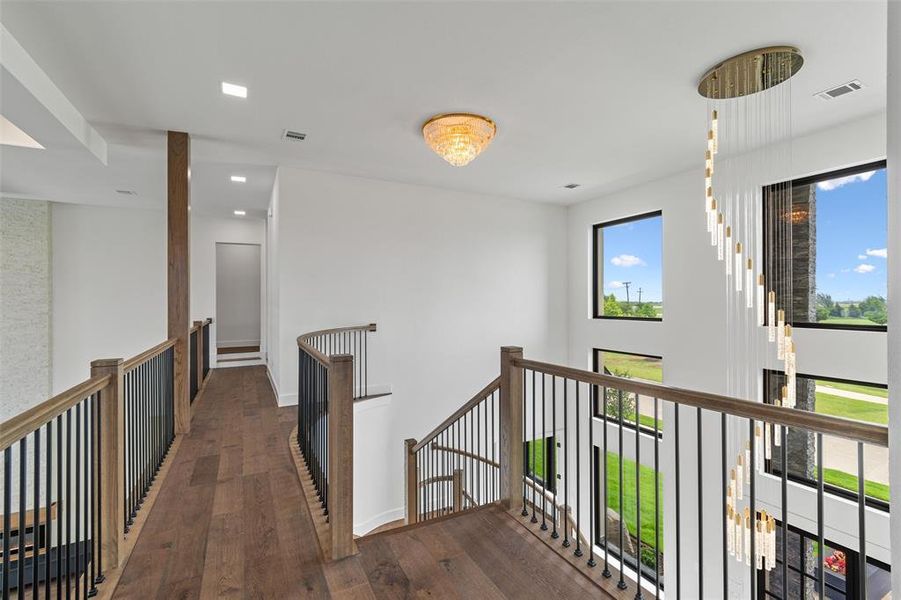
x=458, y=489
x=411, y=483
x=341, y=454
x=109, y=459
x=511, y=420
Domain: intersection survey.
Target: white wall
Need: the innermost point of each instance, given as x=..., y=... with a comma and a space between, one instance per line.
x=273, y=295
x=694, y=356
x=894, y=291
x=25, y=289
x=206, y=232
x=238, y=293
x=448, y=277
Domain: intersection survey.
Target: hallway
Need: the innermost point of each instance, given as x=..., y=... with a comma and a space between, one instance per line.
x=230, y=522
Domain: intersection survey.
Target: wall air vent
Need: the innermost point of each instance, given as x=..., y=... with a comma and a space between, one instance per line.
x=840, y=90
x=293, y=136
x=571, y=186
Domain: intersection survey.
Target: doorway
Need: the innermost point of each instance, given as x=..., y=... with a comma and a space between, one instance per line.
x=238, y=302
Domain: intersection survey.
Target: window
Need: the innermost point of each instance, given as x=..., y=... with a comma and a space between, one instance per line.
x=640, y=367
x=838, y=240
x=841, y=572
x=541, y=463
x=651, y=547
x=628, y=268
x=850, y=400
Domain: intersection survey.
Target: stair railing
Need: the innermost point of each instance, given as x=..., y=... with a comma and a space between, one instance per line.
x=332, y=372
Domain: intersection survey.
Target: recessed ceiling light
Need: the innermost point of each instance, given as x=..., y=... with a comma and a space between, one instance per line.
x=240, y=213
x=10, y=135
x=233, y=89
x=239, y=178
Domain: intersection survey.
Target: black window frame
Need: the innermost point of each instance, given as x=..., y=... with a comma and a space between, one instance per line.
x=808, y=180
x=852, y=571
x=597, y=413
x=597, y=286
x=770, y=469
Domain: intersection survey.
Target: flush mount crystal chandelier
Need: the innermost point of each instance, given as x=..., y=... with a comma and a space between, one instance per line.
x=748, y=141
x=458, y=137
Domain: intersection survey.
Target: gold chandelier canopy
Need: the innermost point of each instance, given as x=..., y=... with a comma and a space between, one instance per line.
x=458, y=137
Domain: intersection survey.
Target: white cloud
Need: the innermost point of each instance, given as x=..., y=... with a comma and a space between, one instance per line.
x=861, y=257
x=627, y=260
x=864, y=268
x=831, y=184
x=880, y=252
x=615, y=285
x=831, y=275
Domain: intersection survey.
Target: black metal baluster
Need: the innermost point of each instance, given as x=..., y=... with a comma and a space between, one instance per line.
x=753, y=507
x=657, y=500
x=554, y=533
x=700, y=504
x=621, y=584
x=784, y=481
x=725, y=486
x=678, y=501
x=638, y=595
x=532, y=445
x=592, y=479
x=525, y=458
x=95, y=546
x=821, y=536
x=565, y=464
x=77, y=509
x=36, y=509
x=61, y=507
x=477, y=464
x=366, y=361
x=606, y=572
x=48, y=546
x=68, y=566
x=7, y=516
x=23, y=492
x=544, y=451
x=861, y=524
x=578, y=550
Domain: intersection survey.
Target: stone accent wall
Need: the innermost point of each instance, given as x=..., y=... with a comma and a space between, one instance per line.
x=25, y=305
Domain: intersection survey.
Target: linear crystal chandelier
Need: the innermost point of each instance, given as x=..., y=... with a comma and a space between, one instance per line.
x=748, y=147
x=458, y=137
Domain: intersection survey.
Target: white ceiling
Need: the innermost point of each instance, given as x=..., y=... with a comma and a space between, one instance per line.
x=601, y=94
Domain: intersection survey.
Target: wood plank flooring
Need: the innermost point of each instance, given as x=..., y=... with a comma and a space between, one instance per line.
x=230, y=522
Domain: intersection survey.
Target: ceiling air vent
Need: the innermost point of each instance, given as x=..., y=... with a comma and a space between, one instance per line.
x=293, y=136
x=840, y=90
x=571, y=186
x=127, y=192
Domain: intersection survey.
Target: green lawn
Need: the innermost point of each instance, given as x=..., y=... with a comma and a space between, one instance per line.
x=849, y=482
x=647, y=497
x=633, y=367
x=855, y=387
x=848, y=408
x=849, y=321
x=535, y=457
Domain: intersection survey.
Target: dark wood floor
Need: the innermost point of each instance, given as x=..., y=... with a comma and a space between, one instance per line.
x=230, y=522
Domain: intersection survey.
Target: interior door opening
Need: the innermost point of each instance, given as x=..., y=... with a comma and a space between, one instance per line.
x=238, y=301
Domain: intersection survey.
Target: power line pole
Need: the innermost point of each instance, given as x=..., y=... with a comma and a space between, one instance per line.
x=626, y=285
x=639, y=295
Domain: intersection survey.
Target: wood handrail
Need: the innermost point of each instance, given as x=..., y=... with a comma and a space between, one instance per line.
x=857, y=431
x=471, y=455
x=14, y=429
x=303, y=340
x=194, y=328
x=138, y=359
x=568, y=519
x=488, y=389
x=435, y=479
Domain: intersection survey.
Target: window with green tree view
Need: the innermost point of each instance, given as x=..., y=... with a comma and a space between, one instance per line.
x=837, y=254
x=628, y=268
x=630, y=366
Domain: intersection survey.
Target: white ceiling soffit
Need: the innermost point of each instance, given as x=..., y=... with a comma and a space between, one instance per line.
x=597, y=93
x=17, y=62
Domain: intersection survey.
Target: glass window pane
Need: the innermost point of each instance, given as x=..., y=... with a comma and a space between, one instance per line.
x=630, y=366
x=629, y=268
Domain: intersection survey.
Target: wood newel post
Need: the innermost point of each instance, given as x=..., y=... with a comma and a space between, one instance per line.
x=178, y=274
x=109, y=460
x=341, y=454
x=458, y=490
x=200, y=351
x=411, y=483
x=511, y=420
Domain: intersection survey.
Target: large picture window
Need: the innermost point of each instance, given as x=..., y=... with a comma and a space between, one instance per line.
x=847, y=399
x=628, y=365
x=837, y=256
x=628, y=268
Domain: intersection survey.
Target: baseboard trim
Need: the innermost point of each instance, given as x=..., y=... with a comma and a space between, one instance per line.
x=221, y=344
x=377, y=521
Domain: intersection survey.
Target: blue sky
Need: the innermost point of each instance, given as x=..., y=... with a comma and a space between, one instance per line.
x=851, y=236
x=633, y=252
